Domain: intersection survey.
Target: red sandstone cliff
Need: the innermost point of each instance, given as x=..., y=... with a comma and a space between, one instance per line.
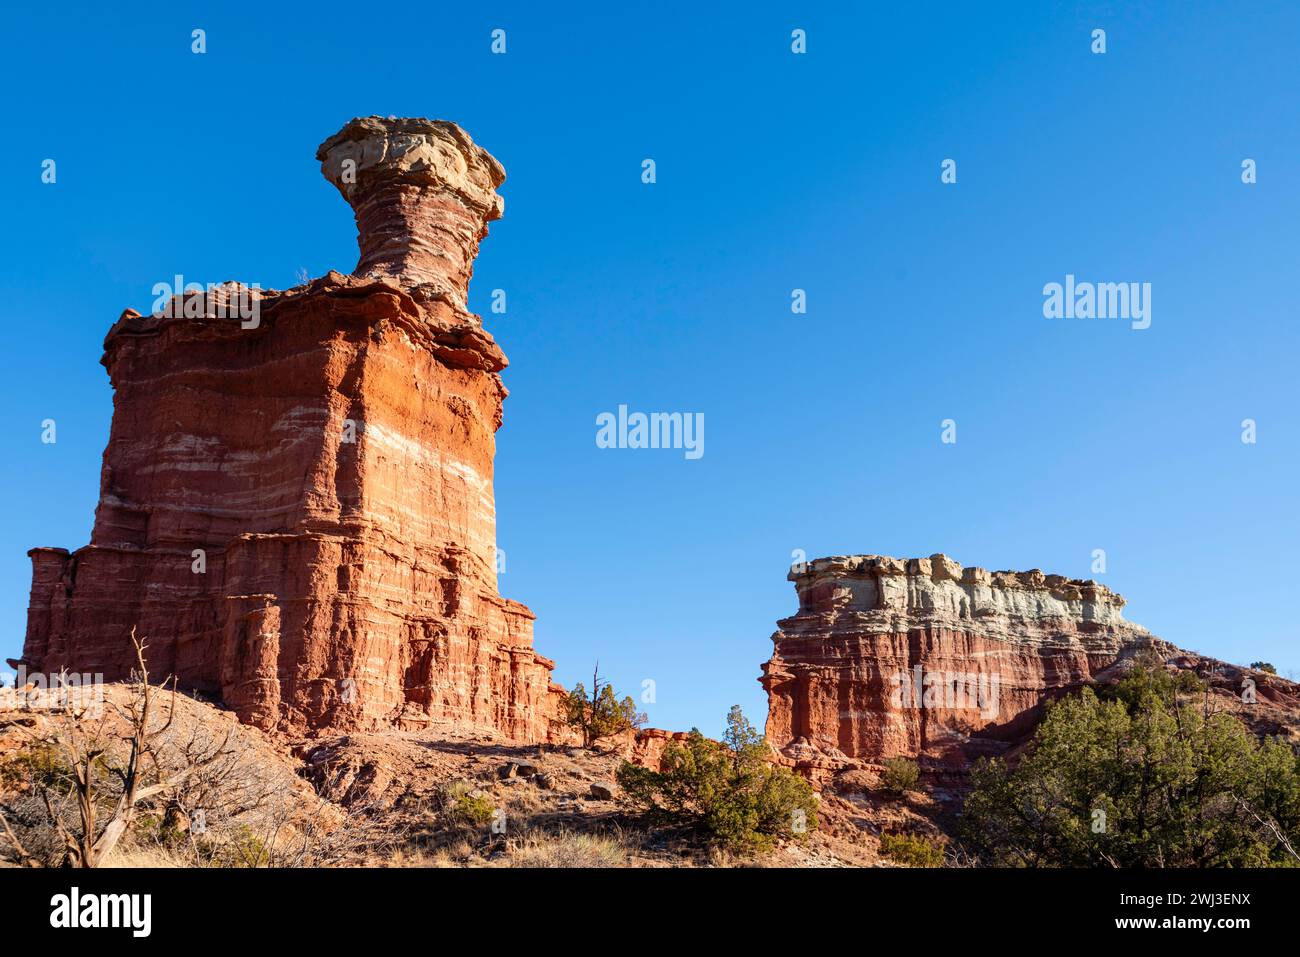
x=923, y=658
x=333, y=465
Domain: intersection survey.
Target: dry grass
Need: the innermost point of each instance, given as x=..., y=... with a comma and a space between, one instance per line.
x=382, y=800
x=136, y=856
x=440, y=857
x=568, y=849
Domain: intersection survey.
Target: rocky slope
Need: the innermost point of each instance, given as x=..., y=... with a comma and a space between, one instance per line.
x=382, y=798
x=297, y=511
x=924, y=658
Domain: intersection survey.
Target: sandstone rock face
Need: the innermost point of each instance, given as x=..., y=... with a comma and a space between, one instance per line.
x=423, y=195
x=299, y=515
x=924, y=658
x=646, y=746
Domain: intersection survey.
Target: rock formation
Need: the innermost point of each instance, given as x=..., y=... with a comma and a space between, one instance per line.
x=923, y=658
x=297, y=511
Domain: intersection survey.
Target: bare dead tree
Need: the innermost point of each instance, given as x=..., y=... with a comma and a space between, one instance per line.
x=135, y=769
x=25, y=857
x=92, y=753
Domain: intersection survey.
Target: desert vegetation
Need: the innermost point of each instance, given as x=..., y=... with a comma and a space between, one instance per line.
x=143, y=775
x=1147, y=773
x=911, y=850
x=900, y=776
x=600, y=714
x=1154, y=771
x=729, y=792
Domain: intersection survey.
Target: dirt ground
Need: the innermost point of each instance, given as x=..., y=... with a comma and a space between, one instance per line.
x=394, y=799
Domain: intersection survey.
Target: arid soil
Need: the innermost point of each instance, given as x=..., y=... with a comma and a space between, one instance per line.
x=390, y=799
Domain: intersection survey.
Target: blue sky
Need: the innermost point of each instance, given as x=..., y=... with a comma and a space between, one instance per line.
x=775, y=171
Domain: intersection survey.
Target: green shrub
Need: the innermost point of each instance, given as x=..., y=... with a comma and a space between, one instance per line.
x=731, y=792
x=1138, y=777
x=602, y=714
x=1150, y=680
x=912, y=850
x=40, y=764
x=1263, y=666
x=462, y=806
x=901, y=775
x=240, y=848
x=159, y=829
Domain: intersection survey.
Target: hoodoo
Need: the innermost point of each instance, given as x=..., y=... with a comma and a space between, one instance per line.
x=299, y=515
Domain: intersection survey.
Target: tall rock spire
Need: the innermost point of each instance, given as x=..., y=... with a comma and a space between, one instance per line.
x=298, y=512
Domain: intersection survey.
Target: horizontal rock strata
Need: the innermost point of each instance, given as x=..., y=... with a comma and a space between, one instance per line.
x=924, y=658
x=298, y=513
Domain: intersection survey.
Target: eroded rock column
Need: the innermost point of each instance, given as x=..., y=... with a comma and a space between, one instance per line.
x=423, y=194
x=298, y=513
